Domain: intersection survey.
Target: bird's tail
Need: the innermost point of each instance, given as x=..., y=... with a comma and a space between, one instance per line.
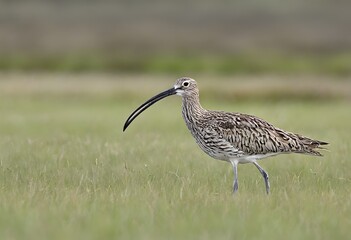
x=311, y=145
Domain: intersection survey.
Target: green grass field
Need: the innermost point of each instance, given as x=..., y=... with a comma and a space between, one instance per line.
x=67, y=171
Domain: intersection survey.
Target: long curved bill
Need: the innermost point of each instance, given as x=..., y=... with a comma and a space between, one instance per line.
x=147, y=104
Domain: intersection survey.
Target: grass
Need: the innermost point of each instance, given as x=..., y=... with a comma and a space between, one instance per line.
x=336, y=64
x=68, y=172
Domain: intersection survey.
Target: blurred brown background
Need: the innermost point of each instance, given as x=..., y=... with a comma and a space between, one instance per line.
x=120, y=33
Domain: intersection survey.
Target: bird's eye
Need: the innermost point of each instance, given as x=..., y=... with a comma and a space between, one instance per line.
x=185, y=84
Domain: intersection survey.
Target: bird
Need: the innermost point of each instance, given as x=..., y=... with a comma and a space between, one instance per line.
x=236, y=138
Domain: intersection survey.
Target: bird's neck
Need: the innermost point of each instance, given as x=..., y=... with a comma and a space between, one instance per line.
x=192, y=109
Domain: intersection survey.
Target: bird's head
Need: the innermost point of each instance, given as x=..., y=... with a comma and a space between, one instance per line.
x=186, y=86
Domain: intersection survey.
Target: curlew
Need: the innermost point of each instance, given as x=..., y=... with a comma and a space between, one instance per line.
x=233, y=137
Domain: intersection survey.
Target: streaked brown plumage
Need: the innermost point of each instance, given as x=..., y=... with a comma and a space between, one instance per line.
x=233, y=137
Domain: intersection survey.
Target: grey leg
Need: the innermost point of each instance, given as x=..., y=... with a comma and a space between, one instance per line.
x=235, y=170
x=265, y=176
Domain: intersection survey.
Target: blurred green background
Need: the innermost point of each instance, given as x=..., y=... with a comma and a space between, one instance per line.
x=72, y=71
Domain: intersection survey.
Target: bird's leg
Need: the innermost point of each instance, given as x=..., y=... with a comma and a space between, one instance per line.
x=265, y=176
x=235, y=170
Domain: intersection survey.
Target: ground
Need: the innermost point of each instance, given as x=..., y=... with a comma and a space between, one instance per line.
x=67, y=171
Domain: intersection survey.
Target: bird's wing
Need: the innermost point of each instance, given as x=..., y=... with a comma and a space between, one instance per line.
x=253, y=135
